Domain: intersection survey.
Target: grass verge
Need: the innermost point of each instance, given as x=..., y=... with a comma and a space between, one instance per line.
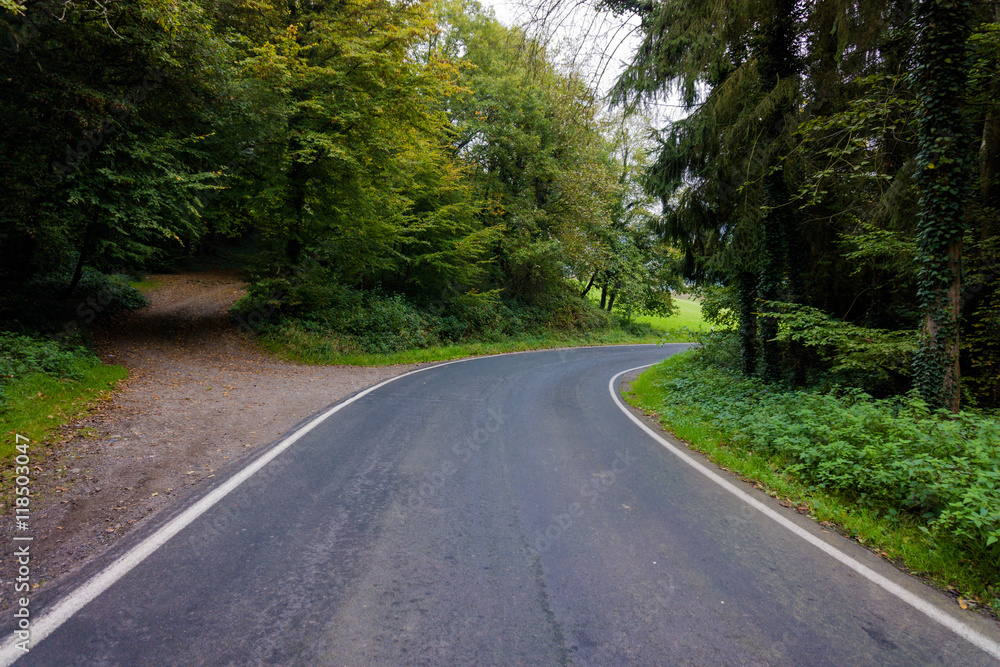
x=39, y=405
x=898, y=536
x=306, y=347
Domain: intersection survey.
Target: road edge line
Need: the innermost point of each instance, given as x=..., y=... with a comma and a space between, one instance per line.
x=922, y=605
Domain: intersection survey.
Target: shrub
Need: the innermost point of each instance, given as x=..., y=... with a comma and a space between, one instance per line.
x=43, y=306
x=109, y=292
x=384, y=324
x=891, y=454
x=569, y=312
x=22, y=356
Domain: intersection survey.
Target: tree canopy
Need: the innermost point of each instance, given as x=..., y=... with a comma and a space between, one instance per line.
x=829, y=162
x=417, y=149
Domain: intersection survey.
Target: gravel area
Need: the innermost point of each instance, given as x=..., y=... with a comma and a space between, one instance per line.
x=200, y=396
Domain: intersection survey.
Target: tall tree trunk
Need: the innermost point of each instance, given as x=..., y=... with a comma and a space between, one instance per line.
x=942, y=179
x=777, y=64
x=771, y=278
x=604, y=293
x=747, y=292
x=611, y=301
x=589, y=285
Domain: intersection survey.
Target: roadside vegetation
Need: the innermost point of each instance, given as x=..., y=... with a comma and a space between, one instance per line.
x=45, y=384
x=49, y=374
x=833, y=193
x=383, y=331
x=918, y=486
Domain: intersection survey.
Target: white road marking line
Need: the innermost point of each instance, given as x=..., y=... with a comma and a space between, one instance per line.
x=49, y=621
x=929, y=609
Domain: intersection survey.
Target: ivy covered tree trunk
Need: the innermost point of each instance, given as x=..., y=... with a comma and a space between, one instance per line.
x=777, y=64
x=772, y=273
x=943, y=180
x=747, y=292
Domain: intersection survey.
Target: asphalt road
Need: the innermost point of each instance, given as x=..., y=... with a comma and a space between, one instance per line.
x=497, y=511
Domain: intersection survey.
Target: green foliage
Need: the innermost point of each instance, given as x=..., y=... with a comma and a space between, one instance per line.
x=843, y=345
x=44, y=383
x=22, y=356
x=39, y=404
x=114, y=291
x=894, y=455
x=43, y=305
x=981, y=339
x=837, y=174
x=418, y=156
x=375, y=324
x=540, y=154
x=356, y=321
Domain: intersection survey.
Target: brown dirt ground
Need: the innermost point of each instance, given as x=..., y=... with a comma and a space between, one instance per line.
x=200, y=396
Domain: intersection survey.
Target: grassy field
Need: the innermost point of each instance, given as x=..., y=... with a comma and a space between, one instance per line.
x=688, y=317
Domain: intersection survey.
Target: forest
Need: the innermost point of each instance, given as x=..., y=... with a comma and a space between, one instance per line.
x=837, y=173
x=391, y=175
x=398, y=175
x=833, y=190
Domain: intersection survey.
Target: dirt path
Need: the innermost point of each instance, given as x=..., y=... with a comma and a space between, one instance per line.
x=200, y=396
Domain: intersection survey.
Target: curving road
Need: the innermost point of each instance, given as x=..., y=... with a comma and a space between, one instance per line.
x=497, y=511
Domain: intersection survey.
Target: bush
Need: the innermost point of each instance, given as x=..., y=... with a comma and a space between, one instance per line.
x=356, y=321
x=108, y=292
x=43, y=306
x=633, y=328
x=891, y=454
x=484, y=317
x=568, y=312
x=23, y=356
x=720, y=349
x=384, y=324
x=263, y=303
x=362, y=321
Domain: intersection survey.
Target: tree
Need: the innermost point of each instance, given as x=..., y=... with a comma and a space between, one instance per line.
x=942, y=178
x=535, y=142
x=106, y=144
